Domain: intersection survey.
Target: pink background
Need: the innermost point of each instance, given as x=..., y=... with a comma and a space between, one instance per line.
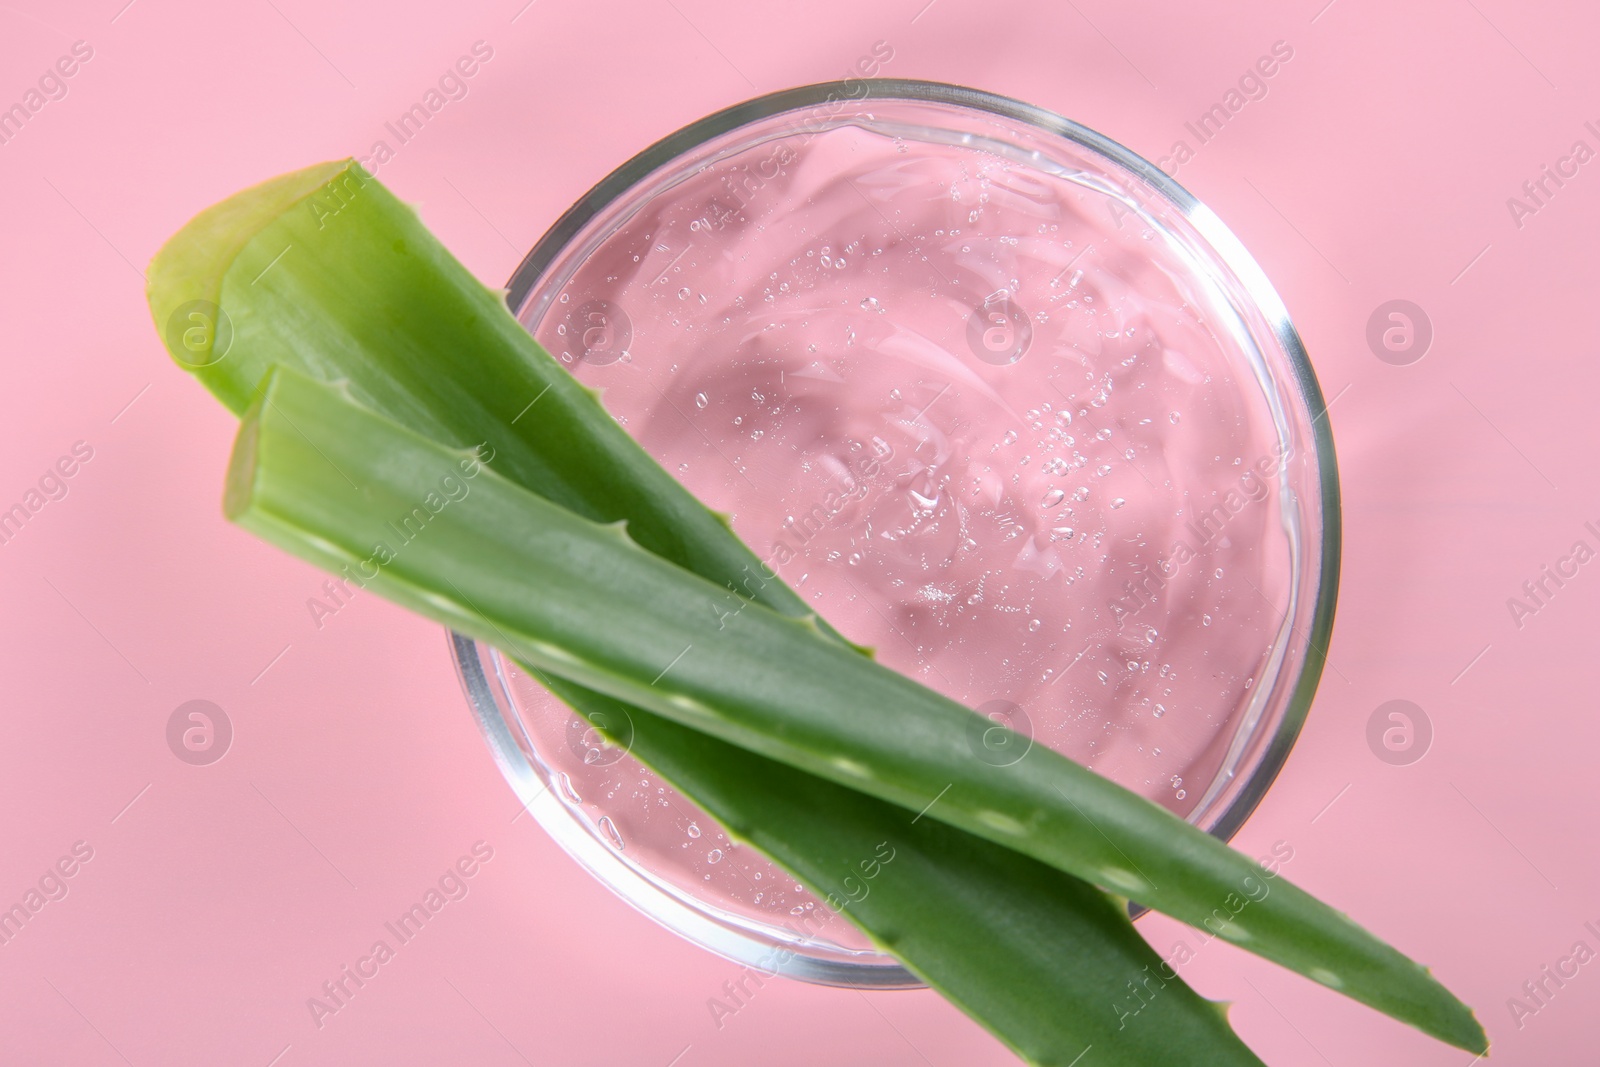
x=219, y=898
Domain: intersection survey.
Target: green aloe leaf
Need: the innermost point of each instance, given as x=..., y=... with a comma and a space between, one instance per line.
x=321, y=476
x=262, y=278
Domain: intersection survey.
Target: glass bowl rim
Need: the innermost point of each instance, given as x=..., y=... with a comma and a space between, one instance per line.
x=1222, y=244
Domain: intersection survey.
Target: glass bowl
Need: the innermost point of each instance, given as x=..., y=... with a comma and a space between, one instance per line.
x=1000, y=398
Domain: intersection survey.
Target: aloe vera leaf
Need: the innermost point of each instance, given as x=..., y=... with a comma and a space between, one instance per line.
x=582, y=600
x=288, y=289
x=1048, y=963
x=325, y=270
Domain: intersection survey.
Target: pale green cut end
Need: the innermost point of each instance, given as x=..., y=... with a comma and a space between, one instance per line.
x=190, y=268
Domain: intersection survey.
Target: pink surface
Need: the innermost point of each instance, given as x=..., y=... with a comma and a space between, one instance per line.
x=218, y=898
